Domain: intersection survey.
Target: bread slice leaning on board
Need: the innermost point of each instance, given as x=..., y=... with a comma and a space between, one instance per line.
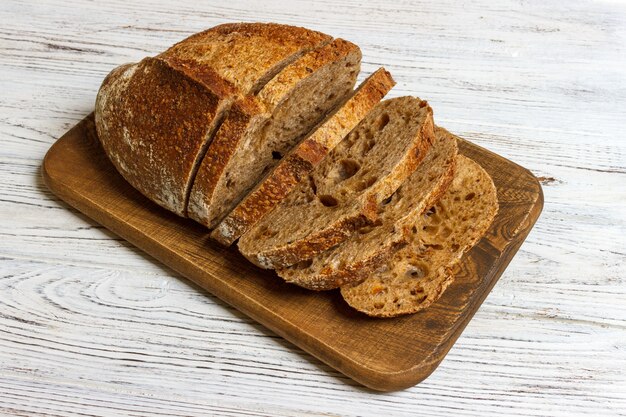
x=254, y=130
x=343, y=192
x=418, y=274
x=155, y=119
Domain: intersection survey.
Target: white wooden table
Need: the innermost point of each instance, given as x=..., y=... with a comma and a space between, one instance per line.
x=90, y=325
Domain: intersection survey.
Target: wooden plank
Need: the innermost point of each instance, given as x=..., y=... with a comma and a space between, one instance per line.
x=381, y=354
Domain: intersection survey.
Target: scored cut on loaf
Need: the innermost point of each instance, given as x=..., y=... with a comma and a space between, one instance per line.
x=155, y=118
x=294, y=166
x=367, y=249
x=418, y=274
x=260, y=129
x=342, y=193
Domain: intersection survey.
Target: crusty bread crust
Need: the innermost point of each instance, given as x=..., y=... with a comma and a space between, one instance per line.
x=261, y=246
x=304, y=157
x=243, y=55
x=150, y=135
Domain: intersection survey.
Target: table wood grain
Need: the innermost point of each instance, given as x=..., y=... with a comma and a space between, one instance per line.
x=89, y=325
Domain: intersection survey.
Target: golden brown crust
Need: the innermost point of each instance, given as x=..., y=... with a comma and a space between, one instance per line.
x=150, y=135
x=297, y=164
x=241, y=54
x=243, y=118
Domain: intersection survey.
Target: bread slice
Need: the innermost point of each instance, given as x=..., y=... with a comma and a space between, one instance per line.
x=302, y=159
x=260, y=129
x=342, y=193
x=420, y=272
x=155, y=118
x=368, y=248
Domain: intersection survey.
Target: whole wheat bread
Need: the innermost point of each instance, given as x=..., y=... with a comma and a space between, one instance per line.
x=343, y=192
x=260, y=129
x=155, y=118
x=275, y=186
x=418, y=274
x=368, y=248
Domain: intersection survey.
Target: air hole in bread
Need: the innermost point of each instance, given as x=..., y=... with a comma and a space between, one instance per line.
x=331, y=96
x=276, y=155
x=379, y=305
x=328, y=200
x=414, y=271
x=367, y=146
x=303, y=264
x=347, y=168
x=366, y=229
x=312, y=185
x=414, y=229
x=386, y=201
x=435, y=246
x=455, y=246
x=365, y=184
x=382, y=121
x=470, y=196
x=267, y=232
x=431, y=230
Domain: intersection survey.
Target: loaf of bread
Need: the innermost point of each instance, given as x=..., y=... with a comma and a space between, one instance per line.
x=255, y=131
x=155, y=119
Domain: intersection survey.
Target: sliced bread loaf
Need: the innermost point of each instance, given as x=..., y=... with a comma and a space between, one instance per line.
x=260, y=129
x=303, y=158
x=368, y=248
x=155, y=118
x=417, y=275
x=343, y=192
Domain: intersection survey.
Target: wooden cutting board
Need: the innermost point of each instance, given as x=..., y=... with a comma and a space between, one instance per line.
x=383, y=354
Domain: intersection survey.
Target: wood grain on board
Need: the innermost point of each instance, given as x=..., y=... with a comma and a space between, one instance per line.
x=383, y=354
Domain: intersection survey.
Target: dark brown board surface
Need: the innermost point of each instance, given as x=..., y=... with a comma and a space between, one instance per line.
x=383, y=354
